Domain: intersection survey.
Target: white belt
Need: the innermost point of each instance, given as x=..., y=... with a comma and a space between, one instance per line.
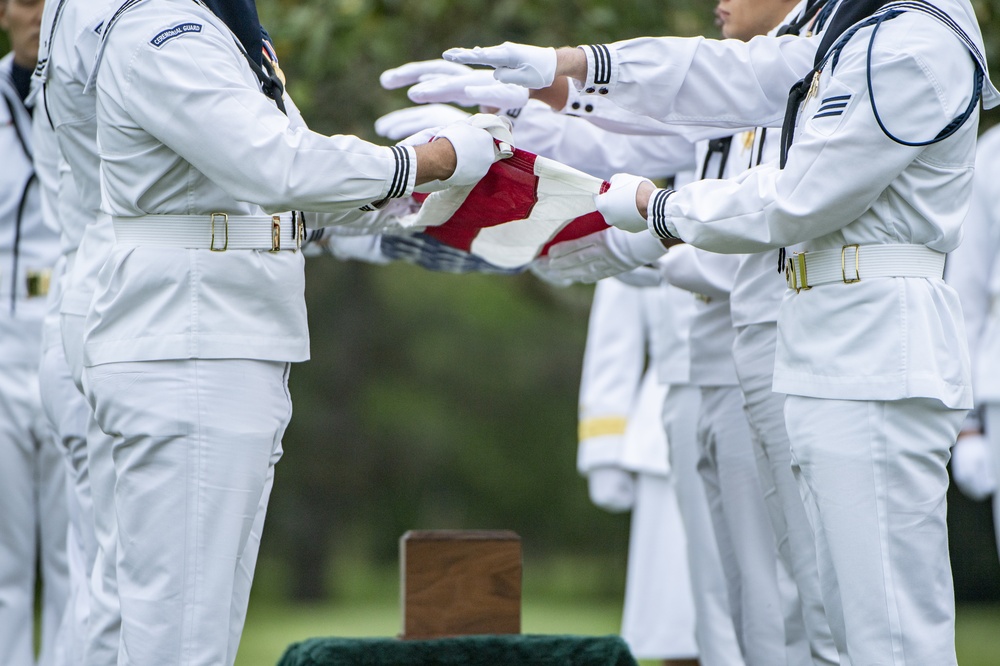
x=217, y=232
x=853, y=263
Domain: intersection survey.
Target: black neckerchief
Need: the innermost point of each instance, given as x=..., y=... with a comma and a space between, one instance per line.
x=847, y=14
x=22, y=80
x=241, y=17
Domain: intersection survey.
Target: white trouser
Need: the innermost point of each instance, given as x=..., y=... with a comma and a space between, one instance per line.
x=805, y=618
x=658, y=617
x=103, y=628
x=991, y=426
x=876, y=474
x=68, y=413
x=714, y=632
x=194, y=446
x=33, y=520
x=742, y=528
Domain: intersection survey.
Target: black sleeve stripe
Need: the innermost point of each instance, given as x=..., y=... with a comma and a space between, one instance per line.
x=828, y=114
x=401, y=176
x=658, y=213
x=836, y=98
x=602, y=63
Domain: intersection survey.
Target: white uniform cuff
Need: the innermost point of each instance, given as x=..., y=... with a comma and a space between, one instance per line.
x=599, y=452
x=659, y=221
x=602, y=69
x=404, y=177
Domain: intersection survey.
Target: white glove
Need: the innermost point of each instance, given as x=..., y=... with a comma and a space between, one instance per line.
x=475, y=88
x=520, y=64
x=422, y=70
x=972, y=467
x=617, y=205
x=597, y=256
x=475, y=148
x=611, y=488
x=644, y=276
x=402, y=123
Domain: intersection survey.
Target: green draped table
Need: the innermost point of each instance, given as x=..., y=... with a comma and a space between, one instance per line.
x=494, y=650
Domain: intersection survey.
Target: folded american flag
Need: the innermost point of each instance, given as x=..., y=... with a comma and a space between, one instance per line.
x=520, y=208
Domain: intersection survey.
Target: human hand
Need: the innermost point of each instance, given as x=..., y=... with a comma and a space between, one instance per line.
x=474, y=88
x=421, y=70
x=520, y=64
x=406, y=122
x=972, y=467
x=624, y=204
x=478, y=142
x=596, y=256
x=611, y=488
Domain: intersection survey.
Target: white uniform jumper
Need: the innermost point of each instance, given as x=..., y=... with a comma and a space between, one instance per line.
x=867, y=342
x=33, y=521
x=620, y=427
x=186, y=350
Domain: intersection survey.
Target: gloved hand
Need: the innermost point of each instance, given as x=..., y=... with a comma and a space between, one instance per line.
x=972, y=467
x=643, y=276
x=597, y=256
x=403, y=123
x=475, y=148
x=618, y=206
x=475, y=88
x=421, y=70
x=611, y=488
x=520, y=64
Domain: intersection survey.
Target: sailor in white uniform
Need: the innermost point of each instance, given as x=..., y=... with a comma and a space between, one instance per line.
x=33, y=520
x=624, y=455
x=199, y=308
x=876, y=178
x=974, y=272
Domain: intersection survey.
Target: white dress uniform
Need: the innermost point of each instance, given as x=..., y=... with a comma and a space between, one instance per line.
x=33, y=525
x=867, y=353
x=66, y=411
x=974, y=272
x=714, y=629
x=186, y=350
x=757, y=291
x=620, y=427
x=727, y=463
x=70, y=35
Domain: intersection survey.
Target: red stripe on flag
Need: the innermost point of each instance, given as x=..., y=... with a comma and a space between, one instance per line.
x=507, y=192
x=582, y=226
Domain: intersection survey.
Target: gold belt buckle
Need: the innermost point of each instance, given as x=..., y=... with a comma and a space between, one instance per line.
x=843, y=264
x=300, y=230
x=275, y=233
x=225, y=223
x=38, y=282
x=792, y=276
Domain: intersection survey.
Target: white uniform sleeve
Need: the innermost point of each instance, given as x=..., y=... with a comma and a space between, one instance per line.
x=613, y=363
x=584, y=146
x=698, y=81
x=699, y=272
x=192, y=95
x=841, y=162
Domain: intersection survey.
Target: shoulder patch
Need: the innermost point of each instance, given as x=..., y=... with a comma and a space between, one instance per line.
x=175, y=31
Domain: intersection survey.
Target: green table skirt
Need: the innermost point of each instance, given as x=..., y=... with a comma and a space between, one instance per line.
x=516, y=649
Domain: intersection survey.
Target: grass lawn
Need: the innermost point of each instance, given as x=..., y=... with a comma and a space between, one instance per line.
x=271, y=626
